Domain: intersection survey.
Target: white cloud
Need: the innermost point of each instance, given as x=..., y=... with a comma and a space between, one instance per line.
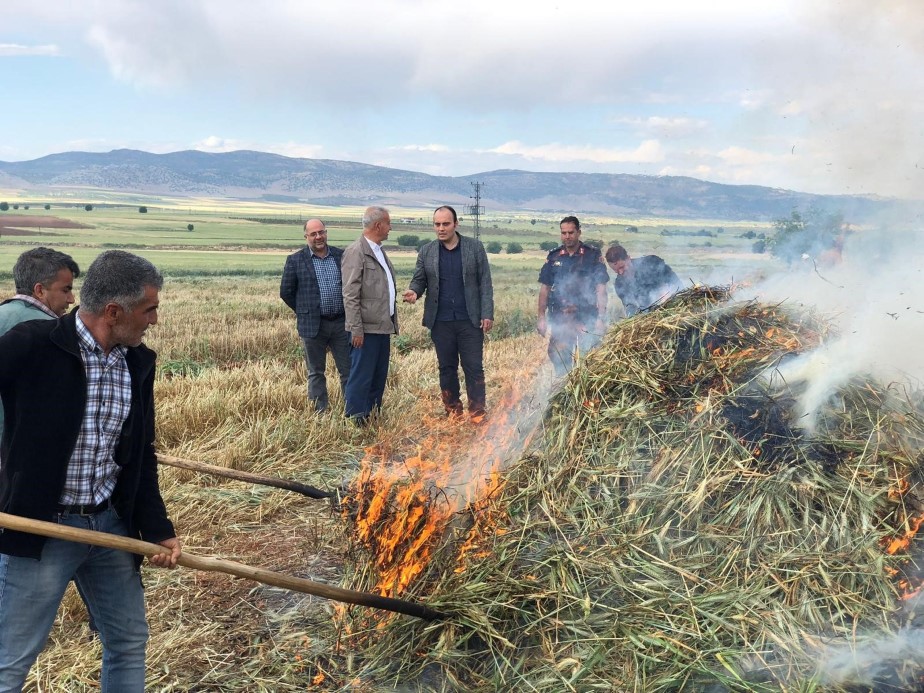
x=647, y=151
x=841, y=82
x=436, y=148
x=664, y=126
x=505, y=53
x=213, y=143
x=142, y=63
x=740, y=156
x=16, y=50
x=754, y=100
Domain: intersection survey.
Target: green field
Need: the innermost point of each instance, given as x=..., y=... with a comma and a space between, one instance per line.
x=227, y=238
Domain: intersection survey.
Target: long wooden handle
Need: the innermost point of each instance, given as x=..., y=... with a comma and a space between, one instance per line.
x=286, y=484
x=269, y=577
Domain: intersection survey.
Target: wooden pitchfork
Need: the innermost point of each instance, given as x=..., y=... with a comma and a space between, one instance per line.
x=268, y=577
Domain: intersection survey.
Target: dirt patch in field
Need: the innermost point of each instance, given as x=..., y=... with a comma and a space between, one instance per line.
x=19, y=224
x=7, y=231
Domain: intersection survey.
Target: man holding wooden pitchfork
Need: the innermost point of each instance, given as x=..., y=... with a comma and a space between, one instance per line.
x=88, y=376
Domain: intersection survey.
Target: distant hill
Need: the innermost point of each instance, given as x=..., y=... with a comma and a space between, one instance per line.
x=258, y=175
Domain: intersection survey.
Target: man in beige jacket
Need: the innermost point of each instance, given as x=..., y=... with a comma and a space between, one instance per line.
x=371, y=318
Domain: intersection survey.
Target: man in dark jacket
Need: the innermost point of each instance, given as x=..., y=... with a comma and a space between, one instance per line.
x=90, y=375
x=454, y=273
x=573, y=293
x=642, y=282
x=312, y=286
x=44, y=290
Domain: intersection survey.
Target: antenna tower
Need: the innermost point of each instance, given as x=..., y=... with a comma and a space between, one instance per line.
x=476, y=210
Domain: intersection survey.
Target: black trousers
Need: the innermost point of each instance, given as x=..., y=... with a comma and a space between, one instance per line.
x=459, y=341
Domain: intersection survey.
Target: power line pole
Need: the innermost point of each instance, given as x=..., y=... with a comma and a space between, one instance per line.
x=476, y=210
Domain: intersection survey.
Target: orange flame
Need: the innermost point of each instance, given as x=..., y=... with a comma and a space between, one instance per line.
x=404, y=511
x=902, y=543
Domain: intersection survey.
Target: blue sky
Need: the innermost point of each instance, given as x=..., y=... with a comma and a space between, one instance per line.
x=814, y=95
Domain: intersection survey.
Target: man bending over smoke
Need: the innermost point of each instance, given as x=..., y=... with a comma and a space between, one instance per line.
x=642, y=282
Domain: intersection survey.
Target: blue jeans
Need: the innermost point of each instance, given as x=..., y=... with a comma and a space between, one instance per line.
x=368, y=373
x=31, y=591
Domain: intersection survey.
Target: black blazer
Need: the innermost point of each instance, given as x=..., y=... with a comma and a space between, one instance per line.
x=42, y=380
x=476, y=278
x=299, y=289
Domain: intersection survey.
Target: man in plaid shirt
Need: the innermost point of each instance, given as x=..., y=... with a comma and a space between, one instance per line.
x=312, y=287
x=89, y=375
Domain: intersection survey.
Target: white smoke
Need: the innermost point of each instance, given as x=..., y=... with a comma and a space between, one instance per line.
x=869, y=660
x=875, y=301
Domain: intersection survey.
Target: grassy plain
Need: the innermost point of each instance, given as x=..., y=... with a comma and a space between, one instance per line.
x=231, y=391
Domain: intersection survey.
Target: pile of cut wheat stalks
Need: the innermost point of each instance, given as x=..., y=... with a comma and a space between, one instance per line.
x=672, y=528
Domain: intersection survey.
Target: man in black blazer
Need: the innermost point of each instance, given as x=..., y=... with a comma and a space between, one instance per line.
x=454, y=273
x=312, y=286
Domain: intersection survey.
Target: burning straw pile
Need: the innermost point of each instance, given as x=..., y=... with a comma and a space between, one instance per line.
x=673, y=528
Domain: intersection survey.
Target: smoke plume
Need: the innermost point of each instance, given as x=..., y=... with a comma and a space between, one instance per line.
x=875, y=301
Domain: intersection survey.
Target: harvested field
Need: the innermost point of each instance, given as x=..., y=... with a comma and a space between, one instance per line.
x=20, y=225
x=671, y=529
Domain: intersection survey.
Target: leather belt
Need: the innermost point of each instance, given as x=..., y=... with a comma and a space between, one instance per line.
x=333, y=317
x=91, y=509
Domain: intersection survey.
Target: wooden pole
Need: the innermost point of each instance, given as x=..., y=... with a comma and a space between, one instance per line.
x=268, y=577
x=286, y=484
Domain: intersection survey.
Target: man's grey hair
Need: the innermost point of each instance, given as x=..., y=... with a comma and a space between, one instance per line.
x=117, y=277
x=373, y=216
x=40, y=266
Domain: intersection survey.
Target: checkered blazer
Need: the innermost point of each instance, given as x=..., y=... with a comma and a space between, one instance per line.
x=299, y=289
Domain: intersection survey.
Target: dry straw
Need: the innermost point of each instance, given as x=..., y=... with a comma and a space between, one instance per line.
x=672, y=529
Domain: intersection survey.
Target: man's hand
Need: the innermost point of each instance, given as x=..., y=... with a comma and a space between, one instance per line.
x=357, y=341
x=486, y=325
x=167, y=560
x=409, y=296
x=541, y=326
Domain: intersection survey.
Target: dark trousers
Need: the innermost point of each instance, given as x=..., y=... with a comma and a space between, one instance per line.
x=368, y=373
x=331, y=335
x=459, y=341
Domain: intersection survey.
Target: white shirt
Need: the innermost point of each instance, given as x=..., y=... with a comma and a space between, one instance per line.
x=380, y=256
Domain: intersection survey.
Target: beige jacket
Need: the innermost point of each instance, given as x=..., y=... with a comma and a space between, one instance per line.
x=365, y=291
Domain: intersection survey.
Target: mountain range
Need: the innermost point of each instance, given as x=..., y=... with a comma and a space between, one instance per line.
x=272, y=177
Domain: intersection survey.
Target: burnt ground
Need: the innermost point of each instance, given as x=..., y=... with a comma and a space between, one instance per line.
x=19, y=224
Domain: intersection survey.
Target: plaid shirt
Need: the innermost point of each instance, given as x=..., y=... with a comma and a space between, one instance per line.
x=329, y=283
x=92, y=471
x=32, y=301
